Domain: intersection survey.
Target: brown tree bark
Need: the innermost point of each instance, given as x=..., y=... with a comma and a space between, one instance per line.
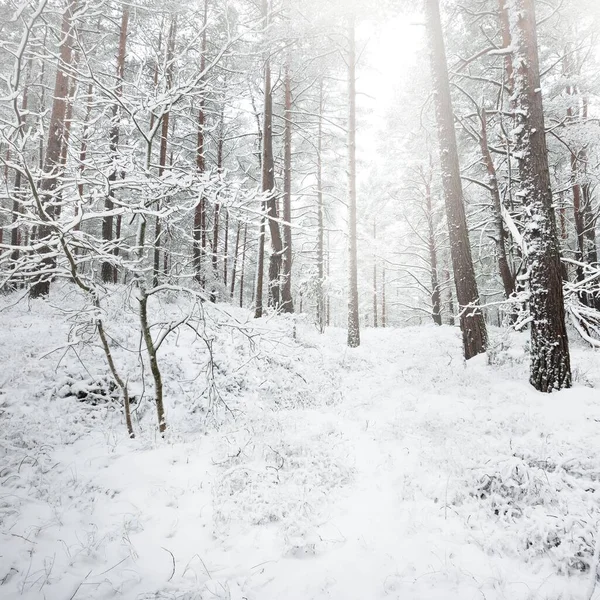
x=472, y=323
x=108, y=270
x=46, y=205
x=550, y=360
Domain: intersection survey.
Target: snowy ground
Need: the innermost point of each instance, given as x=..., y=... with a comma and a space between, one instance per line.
x=391, y=471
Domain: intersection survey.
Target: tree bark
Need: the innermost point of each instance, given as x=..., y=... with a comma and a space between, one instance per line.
x=162, y=158
x=108, y=270
x=353, y=320
x=287, y=305
x=321, y=317
x=375, y=299
x=199, y=233
x=52, y=158
x=472, y=323
x=550, y=360
x=506, y=275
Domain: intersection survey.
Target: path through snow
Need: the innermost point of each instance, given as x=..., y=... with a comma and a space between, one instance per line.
x=389, y=471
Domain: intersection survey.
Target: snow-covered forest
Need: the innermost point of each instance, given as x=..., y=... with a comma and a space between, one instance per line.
x=299, y=299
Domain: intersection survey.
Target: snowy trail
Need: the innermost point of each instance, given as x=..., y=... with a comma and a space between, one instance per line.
x=347, y=474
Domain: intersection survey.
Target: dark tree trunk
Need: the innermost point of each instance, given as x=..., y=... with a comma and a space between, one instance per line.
x=199, y=233
x=159, y=237
x=472, y=323
x=268, y=183
x=108, y=270
x=550, y=360
x=353, y=320
x=52, y=158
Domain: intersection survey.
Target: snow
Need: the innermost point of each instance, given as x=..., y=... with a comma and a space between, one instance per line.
x=394, y=470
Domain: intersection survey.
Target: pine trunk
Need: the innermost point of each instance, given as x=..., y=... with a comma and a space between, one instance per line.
x=52, y=157
x=550, y=360
x=472, y=323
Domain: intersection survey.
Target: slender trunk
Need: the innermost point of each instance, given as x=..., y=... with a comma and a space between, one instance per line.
x=108, y=269
x=84, y=147
x=199, y=233
x=260, y=268
x=268, y=184
x=286, y=288
x=450, y=299
x=550, y=360
x=375, y=299
x=17, y=199
x=235, y=259
x=159, y=237
x=243, y=267
x=226, y=248
x=321, y=317
x=471, y=318
x=353, y=321
x=52, y=158
x=506, y=42
x=383, y=303
x=436, y=301
x=217, y=214
x=500, y=235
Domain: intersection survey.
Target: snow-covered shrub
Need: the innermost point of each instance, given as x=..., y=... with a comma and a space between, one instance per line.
x=548, y=508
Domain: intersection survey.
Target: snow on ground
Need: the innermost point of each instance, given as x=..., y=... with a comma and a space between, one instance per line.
x=394, y=470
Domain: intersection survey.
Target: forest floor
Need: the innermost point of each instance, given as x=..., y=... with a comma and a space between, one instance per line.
x=395, y=470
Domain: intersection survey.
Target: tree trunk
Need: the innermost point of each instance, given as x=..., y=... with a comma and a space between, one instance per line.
x=436, y=303
x=243, y=267
x=199, y=233
x=108, y=270
x=383, y=304
x=472, y=323
x=353, y=320
x=52, y=158
x=235, y=259
x=287, y=305
x=550, y=360
x=375, y=299
x=260, y=269
x=321, y=317
x=268, y=183
x=506, y=276
x=159, y=237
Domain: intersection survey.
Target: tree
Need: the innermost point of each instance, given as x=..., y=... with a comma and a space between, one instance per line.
x=53, y=164
x=472, y=323
x=353, y=322
x=550, y=360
